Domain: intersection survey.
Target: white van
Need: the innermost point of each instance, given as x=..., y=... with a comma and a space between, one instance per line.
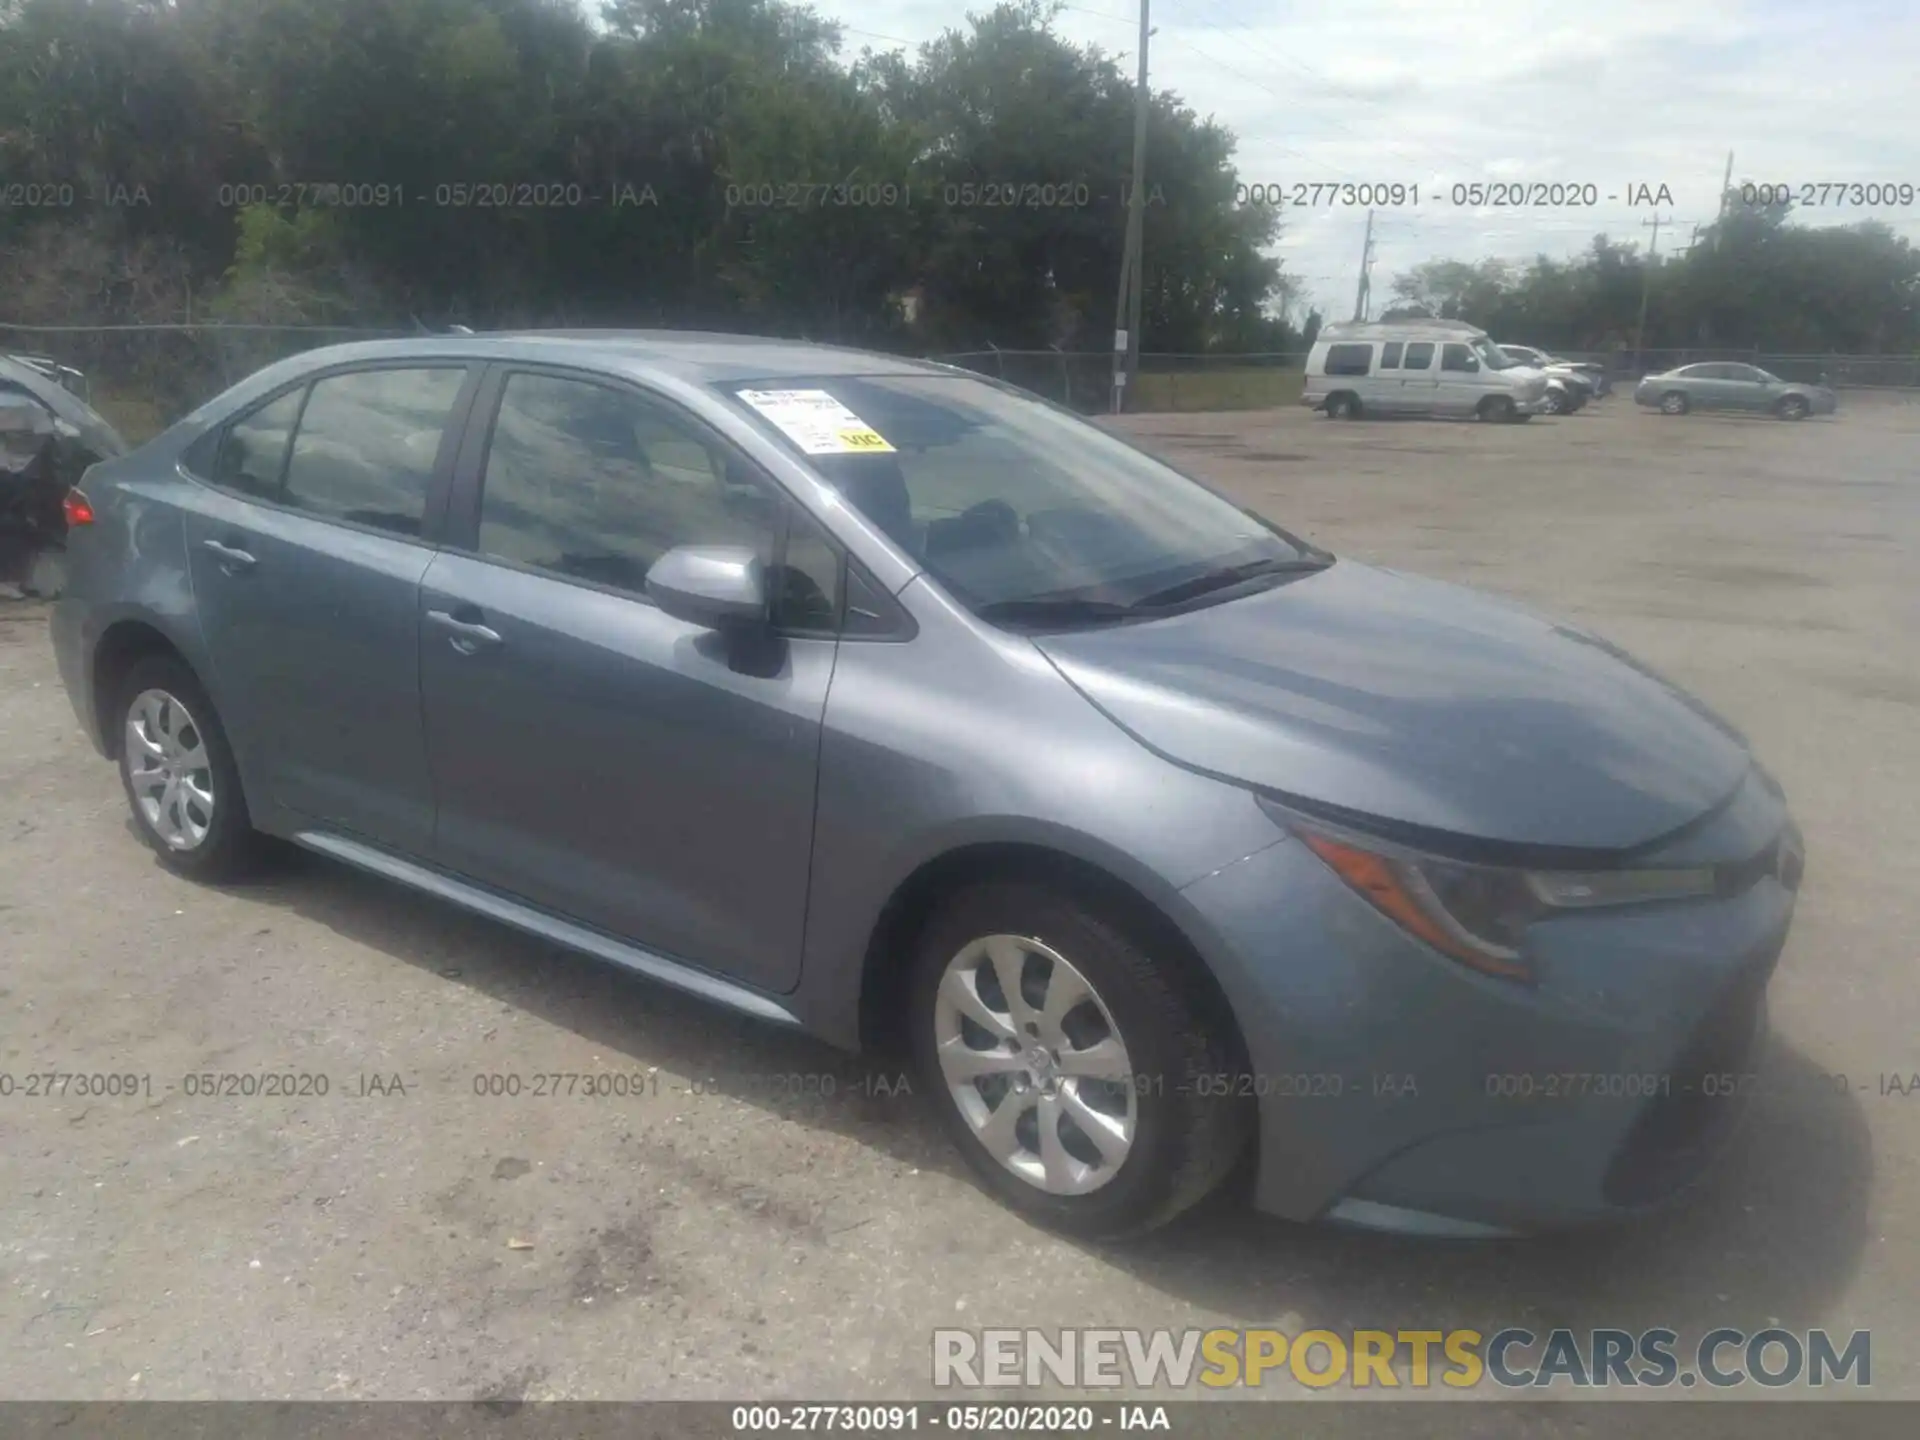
x=1418, y=367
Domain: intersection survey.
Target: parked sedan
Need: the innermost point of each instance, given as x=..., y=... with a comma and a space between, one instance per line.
x=1721, y=385
x=1595, y=375
x=879, y=699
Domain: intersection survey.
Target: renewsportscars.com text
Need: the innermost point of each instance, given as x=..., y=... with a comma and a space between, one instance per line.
x=1393, y=1359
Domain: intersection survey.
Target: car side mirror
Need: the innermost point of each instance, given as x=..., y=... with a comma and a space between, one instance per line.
x=719, y=587
x=1472, y=364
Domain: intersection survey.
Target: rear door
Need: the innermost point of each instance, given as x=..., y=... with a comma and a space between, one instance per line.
x=1710, y=387
x=306, y=549
x=1387, y=389
x=1419, y=380
x=592, y=754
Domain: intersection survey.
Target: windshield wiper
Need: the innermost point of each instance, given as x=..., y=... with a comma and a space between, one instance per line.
x=1229, y=575
x=1055, y=609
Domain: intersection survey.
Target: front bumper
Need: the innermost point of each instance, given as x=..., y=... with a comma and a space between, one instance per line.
x=1398, y=1089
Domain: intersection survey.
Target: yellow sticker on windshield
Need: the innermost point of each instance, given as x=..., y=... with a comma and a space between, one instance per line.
x=817, y=423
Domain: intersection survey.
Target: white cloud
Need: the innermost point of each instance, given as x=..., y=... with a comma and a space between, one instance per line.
x=1443, y=91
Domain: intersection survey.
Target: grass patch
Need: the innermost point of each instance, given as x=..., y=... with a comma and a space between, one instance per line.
x=1253, y=387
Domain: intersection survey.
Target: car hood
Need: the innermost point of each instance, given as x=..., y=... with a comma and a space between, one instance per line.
x=1415, y=702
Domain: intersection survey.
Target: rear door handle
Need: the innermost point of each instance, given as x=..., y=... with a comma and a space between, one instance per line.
x=466, y=636
x=233, y=560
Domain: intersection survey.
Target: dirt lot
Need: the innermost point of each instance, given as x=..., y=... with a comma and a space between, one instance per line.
x=403, y=1236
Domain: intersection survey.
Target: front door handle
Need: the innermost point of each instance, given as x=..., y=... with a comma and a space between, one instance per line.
x=466, y=636
x=233, y=560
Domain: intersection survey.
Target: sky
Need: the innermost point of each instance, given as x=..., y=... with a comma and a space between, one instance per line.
x=1609, y=93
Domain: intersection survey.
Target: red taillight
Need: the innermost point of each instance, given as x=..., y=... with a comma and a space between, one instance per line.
x=78, y=508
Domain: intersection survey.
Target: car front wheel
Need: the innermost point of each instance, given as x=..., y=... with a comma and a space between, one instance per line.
x=1792, y=408
x=1673, y=403
x=179, y=774
x=1090, y=1086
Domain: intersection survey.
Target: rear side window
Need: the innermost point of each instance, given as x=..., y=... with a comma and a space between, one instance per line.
x=254, y=451
x=1390, y=355
x=366, y=444
x=1349, y=359
x=1419, y=355
x=1455, y=357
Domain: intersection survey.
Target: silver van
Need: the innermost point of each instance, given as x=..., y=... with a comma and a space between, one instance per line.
x=1418, y=367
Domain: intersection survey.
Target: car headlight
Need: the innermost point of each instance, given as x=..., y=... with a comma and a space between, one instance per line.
x=1479, y=914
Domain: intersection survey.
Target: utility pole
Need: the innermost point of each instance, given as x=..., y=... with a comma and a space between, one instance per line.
x=1126, y=310
x=1363, y=292
x=1726, y=184
x=1646, y=284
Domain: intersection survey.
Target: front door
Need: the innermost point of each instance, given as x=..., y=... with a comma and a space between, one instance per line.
x=306, y=551
x=592, y=754
x=1462, y=381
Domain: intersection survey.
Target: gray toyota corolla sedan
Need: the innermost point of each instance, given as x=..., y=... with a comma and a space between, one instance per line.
x=879, y=699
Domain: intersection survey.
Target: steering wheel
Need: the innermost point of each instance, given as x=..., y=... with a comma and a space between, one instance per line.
x=995, y=515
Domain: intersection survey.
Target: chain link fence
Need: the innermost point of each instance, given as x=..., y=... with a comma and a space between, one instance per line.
x=1858, y=372
x=142, y=377
x=1083, y=379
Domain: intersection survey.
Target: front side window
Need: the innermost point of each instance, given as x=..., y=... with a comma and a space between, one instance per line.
x=366, y=444
x=1455, y=357
x=1014, y=506
x=1349, y=359
x=596, y=484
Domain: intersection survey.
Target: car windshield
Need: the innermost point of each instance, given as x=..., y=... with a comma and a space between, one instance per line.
x=1021, y=510
x=1491, y=356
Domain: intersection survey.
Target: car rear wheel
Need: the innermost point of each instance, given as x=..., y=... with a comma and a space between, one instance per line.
x=179, y=774
x=1343, y=407
x=1673, y=403
x=1558, y=402
x=1791, y=407
x=1091, y=1087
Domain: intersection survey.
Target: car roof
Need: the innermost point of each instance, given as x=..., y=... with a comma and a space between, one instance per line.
x=700, y=356
x=1397, y=329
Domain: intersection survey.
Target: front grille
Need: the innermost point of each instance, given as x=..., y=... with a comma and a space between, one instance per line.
x=1677, y=1132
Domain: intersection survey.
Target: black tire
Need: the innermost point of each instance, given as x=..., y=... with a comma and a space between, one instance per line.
x=1559, y=402
x=1791, y=407
x=1674, y=403
x=1191, y=1123
x=231, y=847
x=1343, y=406
x=1496, y=410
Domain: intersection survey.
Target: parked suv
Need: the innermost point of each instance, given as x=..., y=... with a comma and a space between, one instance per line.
x=1418, y=367
x=881, y=699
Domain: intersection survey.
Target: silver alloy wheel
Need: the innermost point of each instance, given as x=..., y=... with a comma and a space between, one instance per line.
x=168, y=769
x=1674, y=404
x=1035, y=1064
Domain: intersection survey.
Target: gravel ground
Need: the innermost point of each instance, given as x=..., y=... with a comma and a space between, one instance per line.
x=727, y=1234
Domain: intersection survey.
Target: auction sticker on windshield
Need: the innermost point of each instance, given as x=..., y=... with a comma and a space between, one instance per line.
x=817, y=423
